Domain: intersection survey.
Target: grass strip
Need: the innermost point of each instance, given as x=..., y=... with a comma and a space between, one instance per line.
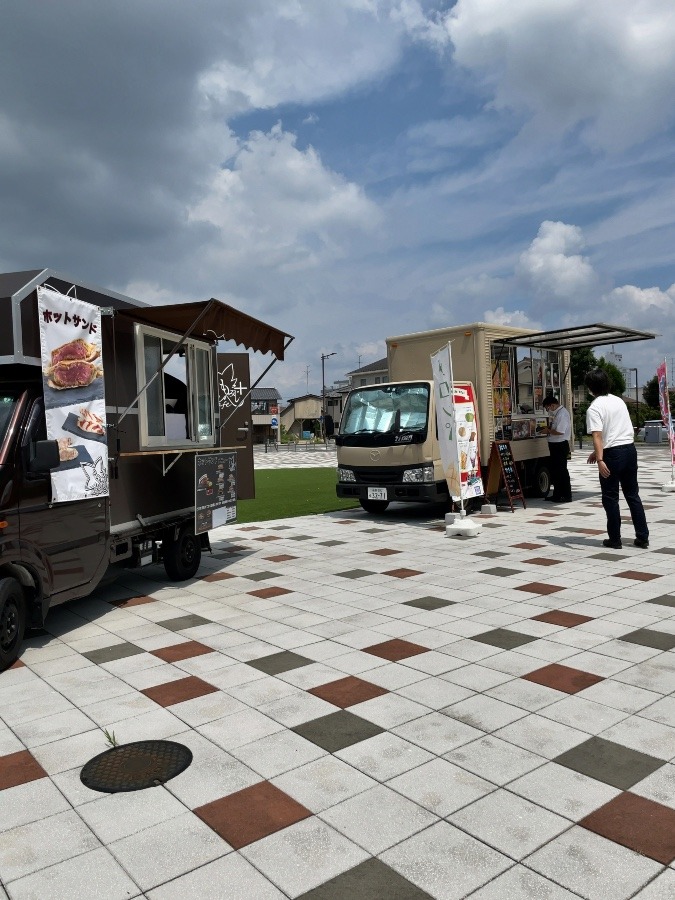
x=286, y=493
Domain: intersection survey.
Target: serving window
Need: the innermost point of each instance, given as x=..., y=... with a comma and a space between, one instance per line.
x=521, y=378
x=176, y=408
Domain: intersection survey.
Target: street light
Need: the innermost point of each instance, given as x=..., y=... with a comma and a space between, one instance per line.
x=324, y=357
x=637, y=402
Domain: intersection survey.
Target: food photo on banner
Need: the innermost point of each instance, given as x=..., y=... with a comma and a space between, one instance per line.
x=72, y=376
x=457, y=429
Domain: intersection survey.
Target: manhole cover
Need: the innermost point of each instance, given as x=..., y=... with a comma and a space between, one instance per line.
x=133, y=767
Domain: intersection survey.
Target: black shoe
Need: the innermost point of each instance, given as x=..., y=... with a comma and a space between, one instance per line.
x=642, y=544
x=613, y=545
x=562, y=499
x=551, y=499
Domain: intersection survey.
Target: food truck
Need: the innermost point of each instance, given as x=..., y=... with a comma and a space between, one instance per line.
x=387, y=444
x=124, y=437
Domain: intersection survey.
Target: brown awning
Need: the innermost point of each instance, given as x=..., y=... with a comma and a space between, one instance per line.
x=213, y=319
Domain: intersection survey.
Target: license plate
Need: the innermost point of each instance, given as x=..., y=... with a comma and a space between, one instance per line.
x=377, y=493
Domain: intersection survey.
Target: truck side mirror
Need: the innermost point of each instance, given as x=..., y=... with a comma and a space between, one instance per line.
x=45, y=457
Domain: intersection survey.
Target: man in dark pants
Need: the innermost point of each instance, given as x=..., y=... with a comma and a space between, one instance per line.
x=559, y=433
x=614, y=452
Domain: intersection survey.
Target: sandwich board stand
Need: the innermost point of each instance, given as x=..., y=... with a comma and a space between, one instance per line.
x=502, y=471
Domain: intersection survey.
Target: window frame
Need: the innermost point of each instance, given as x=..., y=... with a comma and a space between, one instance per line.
x=192, y=347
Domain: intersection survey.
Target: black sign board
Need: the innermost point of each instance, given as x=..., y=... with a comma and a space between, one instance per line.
x=215, y=490
x=502, y=470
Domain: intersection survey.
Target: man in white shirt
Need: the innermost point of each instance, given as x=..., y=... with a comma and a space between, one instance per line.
x=607, y=420
x=559, y=432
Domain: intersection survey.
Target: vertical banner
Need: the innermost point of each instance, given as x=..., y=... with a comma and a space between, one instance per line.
x=664, y=402
x=72, y=377
x=457, y=429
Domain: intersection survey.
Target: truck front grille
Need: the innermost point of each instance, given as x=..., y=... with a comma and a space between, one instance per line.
x=386, y=475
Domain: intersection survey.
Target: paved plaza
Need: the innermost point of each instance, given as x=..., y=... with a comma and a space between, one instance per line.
x=374, y=710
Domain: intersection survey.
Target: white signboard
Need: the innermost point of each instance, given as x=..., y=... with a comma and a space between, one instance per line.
x=72, y=374
x=457, y=429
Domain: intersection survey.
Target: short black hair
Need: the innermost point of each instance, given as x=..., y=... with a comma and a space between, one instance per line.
x=597, y=382
x=549, y=400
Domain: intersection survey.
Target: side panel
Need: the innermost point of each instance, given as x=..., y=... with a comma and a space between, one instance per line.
x=236, y=429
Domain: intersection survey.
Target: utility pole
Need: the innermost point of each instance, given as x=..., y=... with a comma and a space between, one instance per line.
x=307, y=376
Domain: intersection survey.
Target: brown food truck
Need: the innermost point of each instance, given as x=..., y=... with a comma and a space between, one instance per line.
x=124, y=436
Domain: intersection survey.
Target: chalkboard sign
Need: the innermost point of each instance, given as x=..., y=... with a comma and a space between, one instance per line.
x=502, y=470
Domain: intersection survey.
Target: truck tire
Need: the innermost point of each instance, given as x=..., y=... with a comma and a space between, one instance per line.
x=542, y=480
x=182, y=555
x=12, y=621
x=374, y=506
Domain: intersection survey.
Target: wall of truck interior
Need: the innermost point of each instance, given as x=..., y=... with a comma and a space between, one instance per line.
x=521, y=378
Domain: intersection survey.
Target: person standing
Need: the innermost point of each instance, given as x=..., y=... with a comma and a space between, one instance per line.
x=559, y=433
x=607, y=420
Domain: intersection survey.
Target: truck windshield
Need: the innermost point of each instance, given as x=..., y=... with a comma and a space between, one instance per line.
x=398, y=413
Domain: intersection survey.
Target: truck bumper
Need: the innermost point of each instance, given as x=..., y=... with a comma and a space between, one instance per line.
x=436, y=492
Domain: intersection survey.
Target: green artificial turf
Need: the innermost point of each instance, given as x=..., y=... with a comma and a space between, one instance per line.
x=285, y=493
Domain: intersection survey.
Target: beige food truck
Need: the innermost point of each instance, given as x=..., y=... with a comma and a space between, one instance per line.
x=387, y=442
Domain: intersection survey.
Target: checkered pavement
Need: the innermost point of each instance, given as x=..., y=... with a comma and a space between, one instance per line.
x=375, y=710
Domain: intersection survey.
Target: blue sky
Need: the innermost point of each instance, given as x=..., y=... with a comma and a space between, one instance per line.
x=350, y=170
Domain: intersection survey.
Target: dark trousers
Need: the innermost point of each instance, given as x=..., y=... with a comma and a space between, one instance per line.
x=623, y=469
x=559, y=450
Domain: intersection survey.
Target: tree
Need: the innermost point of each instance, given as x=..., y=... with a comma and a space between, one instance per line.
x=650, y=392
x=581, y=362
x=617, y=383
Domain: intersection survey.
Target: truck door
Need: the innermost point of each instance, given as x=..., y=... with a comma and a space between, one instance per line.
x=70, y=537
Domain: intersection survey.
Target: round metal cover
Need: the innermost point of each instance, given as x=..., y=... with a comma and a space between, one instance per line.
x=133, y=767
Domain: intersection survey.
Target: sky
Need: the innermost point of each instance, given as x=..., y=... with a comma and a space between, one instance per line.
x=349, y=170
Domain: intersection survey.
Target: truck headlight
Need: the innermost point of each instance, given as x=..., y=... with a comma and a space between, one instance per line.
x=345, y=475
x=420, y=474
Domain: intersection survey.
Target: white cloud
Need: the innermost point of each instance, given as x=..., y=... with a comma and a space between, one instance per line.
x=516, y=318
x=605, y=65
x=553, y=268
x=275, y=206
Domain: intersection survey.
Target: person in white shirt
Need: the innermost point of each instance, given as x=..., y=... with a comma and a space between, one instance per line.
x=607, y=420
x=559, y=433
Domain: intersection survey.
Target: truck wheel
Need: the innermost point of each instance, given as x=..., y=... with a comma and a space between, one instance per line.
x=182, y=555
x=542, y=481
x=12, y=621
x=374, y=506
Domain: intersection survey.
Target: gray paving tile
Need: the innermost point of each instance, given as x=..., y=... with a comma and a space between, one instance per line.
x=429, y=603
x=503, y=638
x=646, y=637
x=337, y=730
x=181, y=623
x=371, y=880
x=109, y=654
x=609, y=762
x=276, y=663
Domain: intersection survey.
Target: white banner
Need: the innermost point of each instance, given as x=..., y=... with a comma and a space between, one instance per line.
x=72, y=375
x=457, y=429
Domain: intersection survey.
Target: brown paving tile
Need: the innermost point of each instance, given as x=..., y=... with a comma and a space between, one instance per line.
x=385, y=551
x=527, y=546
x=179, y=691
x=132, y=601
x=542, y=561
x=637, y=576
x=395, y=649
x=563, y=678
x=186, y=650
x=282, y=557
x=347, y=691
x=268, y=537
x=218, y=576
x=402, y=573
x=562, y=618
x=539, y=522
x=537, y=587
x=347, y=521
x=17, y=664
x=250, y=528
x=637, y=823
x=19, y=768
x=267, y=593
x=251, y=814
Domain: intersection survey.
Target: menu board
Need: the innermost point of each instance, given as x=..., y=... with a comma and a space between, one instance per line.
x=503, y=471
x=215, y=490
